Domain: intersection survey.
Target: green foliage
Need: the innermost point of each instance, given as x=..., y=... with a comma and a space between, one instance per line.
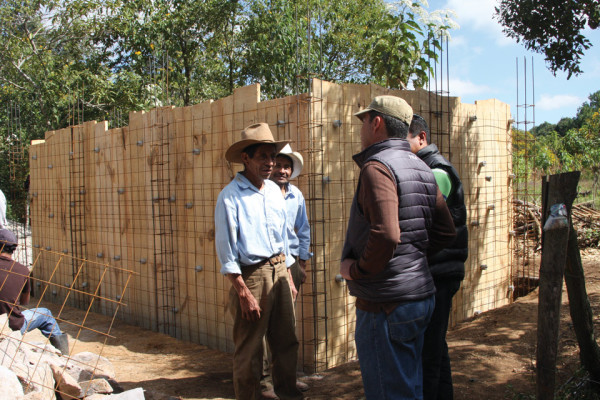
x=98, y=57
x=572, y=144
x=584, y=113
x=543, y=129
x=553, y=28
x=65, y=62
x=587, y=109
x=391, y=45
x=565, y=124
x=170, y=44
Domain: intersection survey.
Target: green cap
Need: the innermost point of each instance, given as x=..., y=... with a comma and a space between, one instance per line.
x=389, y=105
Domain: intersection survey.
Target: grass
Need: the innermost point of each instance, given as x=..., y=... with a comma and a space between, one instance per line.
x=586, y=192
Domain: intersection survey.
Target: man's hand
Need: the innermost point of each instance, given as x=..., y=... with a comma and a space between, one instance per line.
x=292, y=286
x=250, y=308
x=302, y=265
x=248, y=304
x=345, y=268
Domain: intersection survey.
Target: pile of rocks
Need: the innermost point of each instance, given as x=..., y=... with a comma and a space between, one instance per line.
x=35, y=370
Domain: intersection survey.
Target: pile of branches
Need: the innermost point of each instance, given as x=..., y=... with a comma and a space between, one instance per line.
x=586, y=221
x=527, y=225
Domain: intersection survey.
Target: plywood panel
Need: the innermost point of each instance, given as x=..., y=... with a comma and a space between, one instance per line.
x=169, y=165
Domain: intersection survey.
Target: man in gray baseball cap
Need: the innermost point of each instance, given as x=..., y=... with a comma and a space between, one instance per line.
x=392, y=106
x=397, y=215
x=15, y=290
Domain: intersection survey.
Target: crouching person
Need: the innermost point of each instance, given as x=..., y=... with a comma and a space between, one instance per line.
x=15, y=288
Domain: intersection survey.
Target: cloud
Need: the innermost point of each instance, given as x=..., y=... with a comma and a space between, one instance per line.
x=458, y=41
x=461, y=88
x=554, y=102
x=478, y=16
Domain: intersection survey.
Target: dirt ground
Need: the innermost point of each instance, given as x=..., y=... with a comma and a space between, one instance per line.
x=493, y=355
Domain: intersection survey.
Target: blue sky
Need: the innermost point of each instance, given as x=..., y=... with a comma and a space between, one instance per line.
x=482, y=65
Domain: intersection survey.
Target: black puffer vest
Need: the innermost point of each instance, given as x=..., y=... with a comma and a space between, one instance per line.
x=407, y=276
x=450, y=262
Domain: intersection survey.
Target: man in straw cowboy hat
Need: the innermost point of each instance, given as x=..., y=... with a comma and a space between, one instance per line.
x=252, y=246
x=397, y=215
x=288, y=165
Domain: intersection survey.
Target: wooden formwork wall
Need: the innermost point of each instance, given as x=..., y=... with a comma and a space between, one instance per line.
x=142, y=198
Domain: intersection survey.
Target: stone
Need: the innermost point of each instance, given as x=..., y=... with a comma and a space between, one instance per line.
x=98, y=396
x=41, y=380
x=66, y=385
x=116, y=386
x=39, y=352
x=35, y=377
x=63, y=363
x=133, y=394
x=92, y=366
x=4, y=328
x=10, y=387
x=14, y=357
x=34, y=396
x=96, y=386
x=39, y=342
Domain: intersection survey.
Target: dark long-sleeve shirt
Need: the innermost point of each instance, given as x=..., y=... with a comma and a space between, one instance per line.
x=378, y=199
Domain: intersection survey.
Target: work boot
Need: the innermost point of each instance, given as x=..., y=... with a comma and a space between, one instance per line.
x=61, y=342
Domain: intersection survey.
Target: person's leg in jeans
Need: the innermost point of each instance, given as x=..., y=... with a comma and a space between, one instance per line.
x=389, y=350
x=42, y=319
x=437, y=376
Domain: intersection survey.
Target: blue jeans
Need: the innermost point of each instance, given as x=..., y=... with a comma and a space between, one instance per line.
x=42, y=319
x=389, y=350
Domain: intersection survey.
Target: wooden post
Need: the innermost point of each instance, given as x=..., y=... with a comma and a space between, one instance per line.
x=579, y=305
x=556, y=189
x=581, y=312
x=554, y=255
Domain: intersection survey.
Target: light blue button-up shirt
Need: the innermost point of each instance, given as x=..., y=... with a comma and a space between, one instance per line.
x=297, y=223
x=250, y=225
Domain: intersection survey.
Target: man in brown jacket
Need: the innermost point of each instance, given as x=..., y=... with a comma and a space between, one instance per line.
x=397, y=216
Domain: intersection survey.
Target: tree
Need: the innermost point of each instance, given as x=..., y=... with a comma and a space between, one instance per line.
x=543, y=129
x=586, y=111
x=551, y=27
x=63, y=62
x=176, y=45
x=591, y=153
x=389, y=44
x=565, y=124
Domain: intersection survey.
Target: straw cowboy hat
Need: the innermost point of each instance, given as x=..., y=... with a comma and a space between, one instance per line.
x=297, y=160
x=253, y=134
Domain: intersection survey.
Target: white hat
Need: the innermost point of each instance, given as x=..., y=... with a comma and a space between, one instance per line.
x=297, y=160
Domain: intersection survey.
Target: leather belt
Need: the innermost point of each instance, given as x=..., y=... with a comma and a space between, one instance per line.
x=276, y=259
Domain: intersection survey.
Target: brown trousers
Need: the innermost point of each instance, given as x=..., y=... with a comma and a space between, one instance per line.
x=266, y=382
x=270, y=286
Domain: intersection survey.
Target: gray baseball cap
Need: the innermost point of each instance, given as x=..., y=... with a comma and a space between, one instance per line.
x=389, y=105
x=7, y=237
